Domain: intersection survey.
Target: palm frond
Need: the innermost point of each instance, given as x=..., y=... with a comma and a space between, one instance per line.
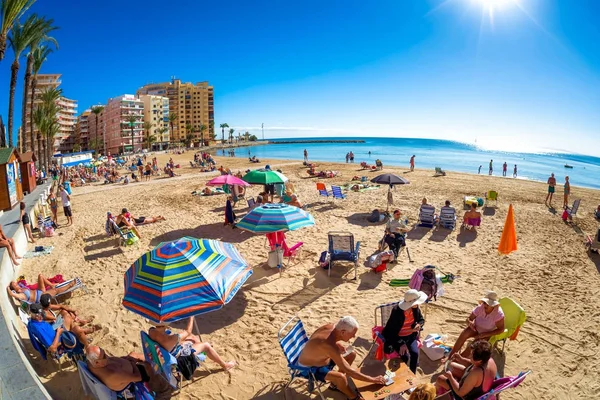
x=10, y=12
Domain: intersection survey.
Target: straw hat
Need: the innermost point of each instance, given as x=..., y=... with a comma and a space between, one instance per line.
x=491, y=299
x=412, y=297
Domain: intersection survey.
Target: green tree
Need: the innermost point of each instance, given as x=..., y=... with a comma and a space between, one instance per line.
x=161, y=132
x=172, y=119
x=39, y=44
x=97, y=110
x=132, y=120
x=147, y=129
x=246, y=136
x=231, y=135
x=253, y=138
x=10, y=12
x=211, y=130
x=39, y=57
x=46, y=120
x=76, y=147
x=189, y=137
x=202, y=130
x=223, y=126
x=34, y=28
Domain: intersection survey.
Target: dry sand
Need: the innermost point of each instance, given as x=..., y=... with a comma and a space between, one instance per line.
x=550, y=275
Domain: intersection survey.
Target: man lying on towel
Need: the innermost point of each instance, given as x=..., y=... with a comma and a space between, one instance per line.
x=323, y=352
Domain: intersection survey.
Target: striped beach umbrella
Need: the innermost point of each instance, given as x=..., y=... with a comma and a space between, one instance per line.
x=184, y=278
x=275, y=218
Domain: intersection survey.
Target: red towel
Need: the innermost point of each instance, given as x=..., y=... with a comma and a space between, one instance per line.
x=55, y=279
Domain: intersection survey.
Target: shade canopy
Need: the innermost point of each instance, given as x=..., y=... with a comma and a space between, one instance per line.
x=264, y=177
x=184, y=278
x=390, y=179
x=508, y=241
x=227, y=180
x=275, y=218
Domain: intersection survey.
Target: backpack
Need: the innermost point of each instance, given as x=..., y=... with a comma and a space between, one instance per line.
x=324, y=260
x=429, y=284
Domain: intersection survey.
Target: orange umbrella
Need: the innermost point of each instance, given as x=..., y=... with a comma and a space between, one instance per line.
x=508, y=241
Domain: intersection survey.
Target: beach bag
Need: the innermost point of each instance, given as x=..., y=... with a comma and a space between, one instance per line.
x=48, y=231
x=275, y=258
x=565, y=215
x=324, y=260
x=429, y=284
x=433, y=347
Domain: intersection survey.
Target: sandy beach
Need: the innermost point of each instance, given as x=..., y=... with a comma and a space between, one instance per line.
x=551, y=276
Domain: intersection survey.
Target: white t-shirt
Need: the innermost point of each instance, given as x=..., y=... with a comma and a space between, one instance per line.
x=64, y=196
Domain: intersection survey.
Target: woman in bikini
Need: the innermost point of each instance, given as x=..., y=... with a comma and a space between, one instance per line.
x=53, y=206
x=23, y=293
x=470, y=378
x=185, y=343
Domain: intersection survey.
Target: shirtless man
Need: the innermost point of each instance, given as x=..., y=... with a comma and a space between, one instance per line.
x=551, y=185
x=122, y=221
x=141, y=220
x=9, y=244
x=323, y=352
x=118, y=372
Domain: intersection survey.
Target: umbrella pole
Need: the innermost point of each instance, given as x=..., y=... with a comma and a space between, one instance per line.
x=196, y=328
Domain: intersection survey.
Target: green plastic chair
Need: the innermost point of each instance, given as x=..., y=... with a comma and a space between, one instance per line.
x=514, y=318
x=491, y=195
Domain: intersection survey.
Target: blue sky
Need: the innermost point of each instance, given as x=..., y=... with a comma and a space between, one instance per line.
x=526, y=79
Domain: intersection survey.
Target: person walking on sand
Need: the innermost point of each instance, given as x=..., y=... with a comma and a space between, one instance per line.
x=551, y=185
x=491, y=167
x=515, y=171
x=504, y=167
x=66, y=202
x=567, y=191
x=412, y=163
x=305, y=155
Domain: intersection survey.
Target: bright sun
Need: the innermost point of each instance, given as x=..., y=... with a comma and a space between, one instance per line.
x=492, y=4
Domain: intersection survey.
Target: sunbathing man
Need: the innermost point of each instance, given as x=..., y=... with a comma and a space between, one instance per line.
x=122, y=221
x=23, y=293
x=476, y=373
x=394, y=233
x=9, y=243
x=471, y=215
x=141, y=220
x=67, y=318
x=184, y=343
x=323, y=352
x=118, y=372
x=485, y=321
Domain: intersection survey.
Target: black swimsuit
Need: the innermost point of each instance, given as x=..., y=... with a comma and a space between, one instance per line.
x=474, y=393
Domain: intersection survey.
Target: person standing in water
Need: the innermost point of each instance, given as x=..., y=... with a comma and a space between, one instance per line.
x=412, y=163
x=305, y=155
x=491, y=167
x=515, y=171
x=479, y=170
x=504, y=167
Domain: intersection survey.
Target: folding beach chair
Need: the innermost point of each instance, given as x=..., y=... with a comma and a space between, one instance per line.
x=489, y=196
x=572, y=211
x=342, y=248
x=382, y=311
x=93, y=387
x=336, y=191
x=251, y=203
x=439, y=172
x=292, y=344
x=74, y=354
x=499, y=385
x=161, y=360
x=514, y=318
x=447, y=217
x=323, y=190
x=278, y=239
x=126, y=236
x=426, y=216
x=78, y=285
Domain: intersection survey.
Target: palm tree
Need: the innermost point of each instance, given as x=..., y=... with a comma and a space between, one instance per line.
x=147, y=127
x=161, y=132
x=20, y=37
x=34, y=46
x=223, y=126
x=189, y=129
x=39, y=57
x=231, y=135
x=172, y=119
x=246, y=136
x=46, y=120
x=97, y=110
x=202, y=130
x=131, y=120
x=10, y=12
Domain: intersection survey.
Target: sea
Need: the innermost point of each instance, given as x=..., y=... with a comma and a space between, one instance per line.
x=431, y=153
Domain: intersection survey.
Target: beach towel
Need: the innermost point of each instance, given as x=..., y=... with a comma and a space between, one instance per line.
x=55, y=279
x=32, y=254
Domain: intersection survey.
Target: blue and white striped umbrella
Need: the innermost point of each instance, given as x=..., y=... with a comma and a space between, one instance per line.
x=275, y=218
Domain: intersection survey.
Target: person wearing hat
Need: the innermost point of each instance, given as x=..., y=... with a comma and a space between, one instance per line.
x=61, y=315
x=48, y=339
x=486, y=320
x=404, y=327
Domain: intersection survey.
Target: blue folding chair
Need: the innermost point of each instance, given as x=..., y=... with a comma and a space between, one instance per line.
x=448, y=217
x=93, y=387
x=427, y=216
x=292, y=345
x=336, y=191
x=323, y=190
x=342, y=248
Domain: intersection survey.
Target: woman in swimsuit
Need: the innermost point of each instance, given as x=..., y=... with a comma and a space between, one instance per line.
x=185, y=343
x=567, y=190
x=23, y=293
x=476, y=373
x=53, y=206
x=26, y=223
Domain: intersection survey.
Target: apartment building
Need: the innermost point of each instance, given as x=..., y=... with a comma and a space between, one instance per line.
x=65, y=137
x=82, y=130
x=121, y=134
x=156, y=112
x=96, y=129
x=192, y=103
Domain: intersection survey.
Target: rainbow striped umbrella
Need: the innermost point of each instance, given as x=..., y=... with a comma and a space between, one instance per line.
x=275, y=218
x=184, y=278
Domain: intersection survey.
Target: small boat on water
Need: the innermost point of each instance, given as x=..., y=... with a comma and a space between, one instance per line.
x=568, y=166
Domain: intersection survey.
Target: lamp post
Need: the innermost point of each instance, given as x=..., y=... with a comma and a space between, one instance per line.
x=263, y=130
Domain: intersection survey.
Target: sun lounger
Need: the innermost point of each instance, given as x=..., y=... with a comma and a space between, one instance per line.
x=292, y=344
x=447, y=217
x=336, y=191
x=426, y=216
x=439, y=172
x=78, y=285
